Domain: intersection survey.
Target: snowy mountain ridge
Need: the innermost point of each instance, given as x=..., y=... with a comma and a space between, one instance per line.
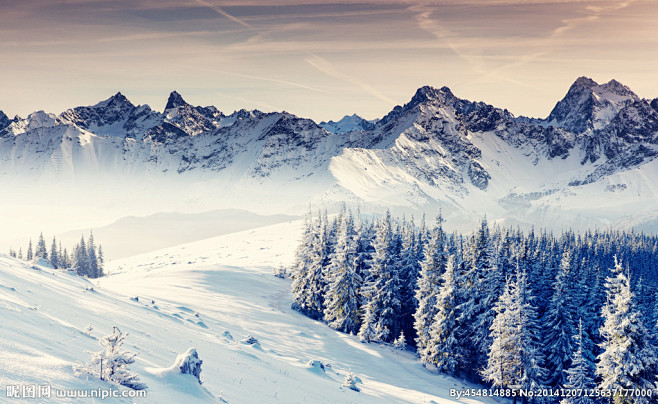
x=437, y=150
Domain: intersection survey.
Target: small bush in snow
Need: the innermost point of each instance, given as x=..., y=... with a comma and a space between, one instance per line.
x=280, y=272
x=401, y=342
x=250, y=340
x=316, y=364
x=189, y=364
x=111, y=363
x=350, y=382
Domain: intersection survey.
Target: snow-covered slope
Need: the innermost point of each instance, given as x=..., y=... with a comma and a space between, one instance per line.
x=438, y=150
x=209, y=295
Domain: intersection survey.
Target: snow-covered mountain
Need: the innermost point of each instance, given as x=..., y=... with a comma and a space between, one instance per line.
x=348, y=123
x=590, y=162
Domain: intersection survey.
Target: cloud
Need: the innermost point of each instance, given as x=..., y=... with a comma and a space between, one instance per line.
x=220, y=11
x=326, y=67
x=595, y=13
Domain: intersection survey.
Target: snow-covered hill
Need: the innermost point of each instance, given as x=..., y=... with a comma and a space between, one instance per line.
x=209, y=295
x=596, y=149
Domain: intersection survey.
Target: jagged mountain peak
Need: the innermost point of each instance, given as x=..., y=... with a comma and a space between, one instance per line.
x=429, y=94
x=590, y=106
x=584, y=82
x=424, y=95
x=4, y=120
x=175, y=100
x=348, y=123
x=117, y=101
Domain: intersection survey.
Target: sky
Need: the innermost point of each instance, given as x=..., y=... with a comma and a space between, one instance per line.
x=317, y=59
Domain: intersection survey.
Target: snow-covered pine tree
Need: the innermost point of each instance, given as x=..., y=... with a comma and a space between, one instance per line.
x=382, y=287
x=431, y=268
x=409, y=269
x=443, y=348
x=30, y=254
x=367, y=332
x=580, y=376
x=629, y=359
x=66, y=259
x=81, y=259
x=350, y=381
x=343, y=283
x=514, y=359
x=309, y=283
x=94, y=270
x=54, y=256
x=111, y=363
x=481, y=286
x=101, y=259
x=401, y=342
x=41, y=251
x=558, y=325
x=20, y=253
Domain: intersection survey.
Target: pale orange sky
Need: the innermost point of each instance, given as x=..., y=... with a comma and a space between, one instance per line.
x=317, y=59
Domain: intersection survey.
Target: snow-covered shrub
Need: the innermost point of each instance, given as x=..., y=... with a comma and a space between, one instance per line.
x=401, y=342
x=111, y=363
x=250, y=340
x=350, y=381
x=280, y=272
x=189, y=363
x=316, y=366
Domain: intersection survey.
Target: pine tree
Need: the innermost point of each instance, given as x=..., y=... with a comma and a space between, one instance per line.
x=20, y=253
x=580, y=376
x=431, y=268
x=94, y=270
x=66, y=260
x=342, y=301
x=443, y=347
x=559, y=325
x=401, y=342
x=29, y=251
x=409, y=270
x=111, y=363
x=629, y=359
x=41, y=251
x=350, y=381
x=312, y=257
x=367, y=331
x=383, y=285
x=81, y=259
x=514, y=359
x=101, y=260
x=481, y=286
x=54, y=257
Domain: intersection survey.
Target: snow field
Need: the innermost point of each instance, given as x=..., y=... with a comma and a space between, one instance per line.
x=209, y=295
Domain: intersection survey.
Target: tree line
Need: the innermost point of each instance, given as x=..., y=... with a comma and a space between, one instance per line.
x=499, y=306
x=85, y=258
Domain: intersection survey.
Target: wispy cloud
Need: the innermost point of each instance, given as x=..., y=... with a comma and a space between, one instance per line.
x=326, y=67
x=220, y=11
x=595, y=13
x=273, y=80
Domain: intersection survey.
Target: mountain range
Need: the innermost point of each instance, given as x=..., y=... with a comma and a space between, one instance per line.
x=590, y=162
